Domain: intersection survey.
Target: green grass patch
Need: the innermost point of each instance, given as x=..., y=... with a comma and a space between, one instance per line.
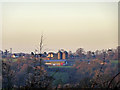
x=14, y=60
x=114, y=61
x=4, y=59
x=60, y=77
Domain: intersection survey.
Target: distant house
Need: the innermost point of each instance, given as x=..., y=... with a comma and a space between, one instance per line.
x=14, y=56
x=59, y=54
x=55, y=62
x=62, y=54
x=65, y=55
x=52, y=56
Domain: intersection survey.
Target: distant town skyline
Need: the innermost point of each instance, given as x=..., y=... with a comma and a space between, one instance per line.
x=68, y=26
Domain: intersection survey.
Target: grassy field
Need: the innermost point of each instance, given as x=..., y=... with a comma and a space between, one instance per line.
x=114, y=61
x=60, y=77
x=14, y=60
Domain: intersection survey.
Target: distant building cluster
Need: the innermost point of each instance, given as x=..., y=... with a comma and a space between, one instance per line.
x=62, y=57
x=50, y=59
x=59, y=55
x=60, y=62
x=8, y=54
x=55, y=59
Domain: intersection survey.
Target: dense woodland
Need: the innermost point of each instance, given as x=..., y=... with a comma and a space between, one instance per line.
x=97, y=69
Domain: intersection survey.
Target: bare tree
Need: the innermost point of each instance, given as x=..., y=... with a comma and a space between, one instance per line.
x=8, y=75
x=41, y=47
x=80, y=52
x=40, y=79
x=98, y=76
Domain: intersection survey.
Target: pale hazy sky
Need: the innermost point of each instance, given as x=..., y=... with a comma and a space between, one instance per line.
x=64, y=25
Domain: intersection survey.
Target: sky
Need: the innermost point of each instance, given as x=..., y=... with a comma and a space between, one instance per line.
x=67, y=26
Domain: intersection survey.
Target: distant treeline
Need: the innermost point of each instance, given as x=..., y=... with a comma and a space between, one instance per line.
x=109, y=54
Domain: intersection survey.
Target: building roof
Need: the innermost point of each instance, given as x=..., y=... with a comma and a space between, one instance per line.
x=65, y=52
x=59, y=51
x=55, y=60
x=51, y=53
